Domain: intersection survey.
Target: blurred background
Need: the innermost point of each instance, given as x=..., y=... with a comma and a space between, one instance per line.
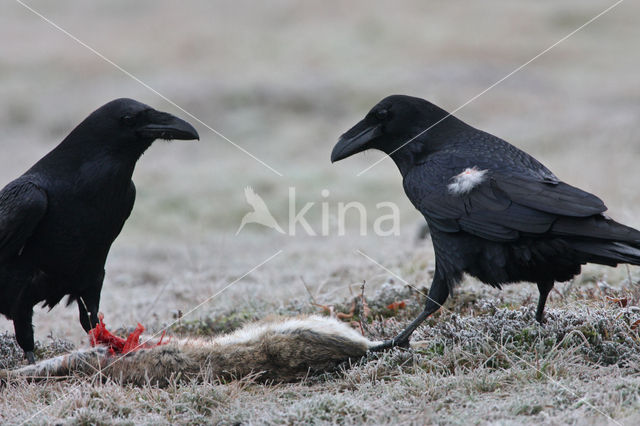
x=283, y=79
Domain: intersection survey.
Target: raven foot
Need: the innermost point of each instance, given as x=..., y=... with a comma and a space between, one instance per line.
x=397, y=342
x=402, y=339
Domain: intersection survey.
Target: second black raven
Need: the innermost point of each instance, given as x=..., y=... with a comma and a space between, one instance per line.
x=494, y=211
x=59, y=219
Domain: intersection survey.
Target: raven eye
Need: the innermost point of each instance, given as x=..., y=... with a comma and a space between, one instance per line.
x=382, y=114
x=127, y=120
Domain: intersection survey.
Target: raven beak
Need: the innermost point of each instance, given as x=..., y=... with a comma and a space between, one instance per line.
x=349, y=145
x=165, y=126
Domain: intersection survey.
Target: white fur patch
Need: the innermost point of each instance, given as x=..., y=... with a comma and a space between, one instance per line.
x=320, y=325
x=42, y=368
x=53, y=366
x=323, y=325
x=464, y=182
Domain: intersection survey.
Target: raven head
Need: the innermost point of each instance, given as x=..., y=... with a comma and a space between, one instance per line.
x=129, y=126
x=396, y=122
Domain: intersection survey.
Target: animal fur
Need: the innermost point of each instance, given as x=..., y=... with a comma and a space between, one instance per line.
x=464, y=182
x=283, y=351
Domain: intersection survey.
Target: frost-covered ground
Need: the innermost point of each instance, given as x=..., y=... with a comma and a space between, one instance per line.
x=480, y=360
x=283, y=79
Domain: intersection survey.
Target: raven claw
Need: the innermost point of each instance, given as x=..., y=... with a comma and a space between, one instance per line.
x=401, y=342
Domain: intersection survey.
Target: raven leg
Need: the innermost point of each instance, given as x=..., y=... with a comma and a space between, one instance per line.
x=88, y=305
x=437, y=296
x=544, y=288
x=22, y=324
x=89, y=314
x=32, y=291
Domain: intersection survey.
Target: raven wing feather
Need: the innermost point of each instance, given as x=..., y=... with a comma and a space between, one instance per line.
x=22, y=206
x=500, y=207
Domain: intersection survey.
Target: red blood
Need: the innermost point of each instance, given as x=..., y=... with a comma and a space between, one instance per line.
x=397, y=305
x=117, y=345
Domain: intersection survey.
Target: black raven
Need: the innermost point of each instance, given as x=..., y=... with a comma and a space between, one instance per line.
x=59, y=219
x=494, y=211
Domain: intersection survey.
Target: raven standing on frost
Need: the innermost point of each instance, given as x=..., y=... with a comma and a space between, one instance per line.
x=59, y=219
x=494, y=211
